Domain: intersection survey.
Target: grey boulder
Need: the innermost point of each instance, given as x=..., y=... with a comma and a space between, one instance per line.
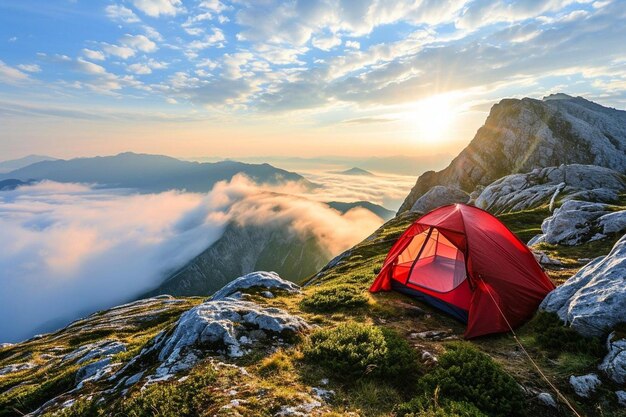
x=614, y=363
x=260, y=279
x=438, y=196
x=594, y=299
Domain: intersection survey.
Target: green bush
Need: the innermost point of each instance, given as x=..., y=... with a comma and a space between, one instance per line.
x=173, y=399
x=551, y=334
x=81, y=408
x=352, y=351
x=465, y=374
x=423, y=407
x=335, y=298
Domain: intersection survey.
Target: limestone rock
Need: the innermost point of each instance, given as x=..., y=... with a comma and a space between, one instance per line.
x=439, y=196
x=106, y=347
x=547, y=185
x=585, y=385
x=614, y=363
x=573, y=222
x=260, y=279
x=17, y=367
x=546, y=399
x=594, y=299
x=222, y=326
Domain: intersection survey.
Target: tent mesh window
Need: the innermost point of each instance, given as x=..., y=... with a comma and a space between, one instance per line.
x=431, y=261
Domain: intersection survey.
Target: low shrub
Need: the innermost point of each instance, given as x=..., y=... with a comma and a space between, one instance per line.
x=173, y=399
x=465, y=374
x=352, y=351
x=424, y=407
x=333, y=298
x=552, y=334
x=81, y=408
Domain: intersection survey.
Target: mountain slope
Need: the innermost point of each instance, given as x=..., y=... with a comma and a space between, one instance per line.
x=243, y=249
x=150, y=173
x=12, y=184
x=378, y=210
x=13, y=164
x=520, y=135
x=355, y=171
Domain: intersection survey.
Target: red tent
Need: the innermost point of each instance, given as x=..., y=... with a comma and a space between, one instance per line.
x=463, y=260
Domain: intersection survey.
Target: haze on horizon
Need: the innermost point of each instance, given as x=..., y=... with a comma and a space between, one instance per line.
x=298, y=78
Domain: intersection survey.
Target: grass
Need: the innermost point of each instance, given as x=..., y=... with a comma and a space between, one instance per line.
x=525, y=224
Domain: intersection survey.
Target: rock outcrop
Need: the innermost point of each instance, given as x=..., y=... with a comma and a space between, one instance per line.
x=259, y=279
x=614, y=363
x=576, y=222
x=548, y=185
x=227, y=325
x=224, y=325
x=585, y=385
x=521, y=135
x=438, y=196
x=594, y=299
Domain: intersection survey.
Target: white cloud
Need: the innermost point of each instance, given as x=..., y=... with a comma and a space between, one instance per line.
x=29, y=67
x=93, y=55
x=13, y=39
x=90, y=67
x=353, y=44
x=152, y=33
x=217, y=38
x=120, y=13
x=70, y=249
x=326, y=43
x=138, y=42
x=140, y=69
x=10, y=75
x=214, y=6
x=484, y=12
x=123, y=52
x=156, y=8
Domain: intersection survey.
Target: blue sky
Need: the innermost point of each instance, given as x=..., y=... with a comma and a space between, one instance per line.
x=241, y=78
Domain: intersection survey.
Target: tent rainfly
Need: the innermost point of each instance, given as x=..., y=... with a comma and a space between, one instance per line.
x=464, y=261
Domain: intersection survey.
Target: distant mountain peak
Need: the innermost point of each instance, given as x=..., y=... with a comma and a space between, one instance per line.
x=8, y=166
x=355, y=171
x=558, y=96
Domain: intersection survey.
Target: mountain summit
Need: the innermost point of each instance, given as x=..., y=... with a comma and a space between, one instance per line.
x=520, y=135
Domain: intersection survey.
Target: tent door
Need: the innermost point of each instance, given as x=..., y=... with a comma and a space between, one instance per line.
x=439, y=265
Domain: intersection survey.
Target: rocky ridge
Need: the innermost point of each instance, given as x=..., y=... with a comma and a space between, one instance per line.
x=521, y=135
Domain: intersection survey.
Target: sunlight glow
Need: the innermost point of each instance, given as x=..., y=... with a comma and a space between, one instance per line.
x=432, y=118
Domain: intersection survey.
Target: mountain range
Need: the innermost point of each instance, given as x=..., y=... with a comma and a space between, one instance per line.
x=150, y=173
x=13, y=164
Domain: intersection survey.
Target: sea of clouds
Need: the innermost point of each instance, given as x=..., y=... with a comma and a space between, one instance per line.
x=71, y=249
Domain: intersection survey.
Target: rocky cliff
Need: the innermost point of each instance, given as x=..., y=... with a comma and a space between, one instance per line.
x=521, y=135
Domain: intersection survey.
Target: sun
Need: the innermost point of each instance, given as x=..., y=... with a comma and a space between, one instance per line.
x=432, y=118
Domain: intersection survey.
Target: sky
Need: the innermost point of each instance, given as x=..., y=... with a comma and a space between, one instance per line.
x=193, y=78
